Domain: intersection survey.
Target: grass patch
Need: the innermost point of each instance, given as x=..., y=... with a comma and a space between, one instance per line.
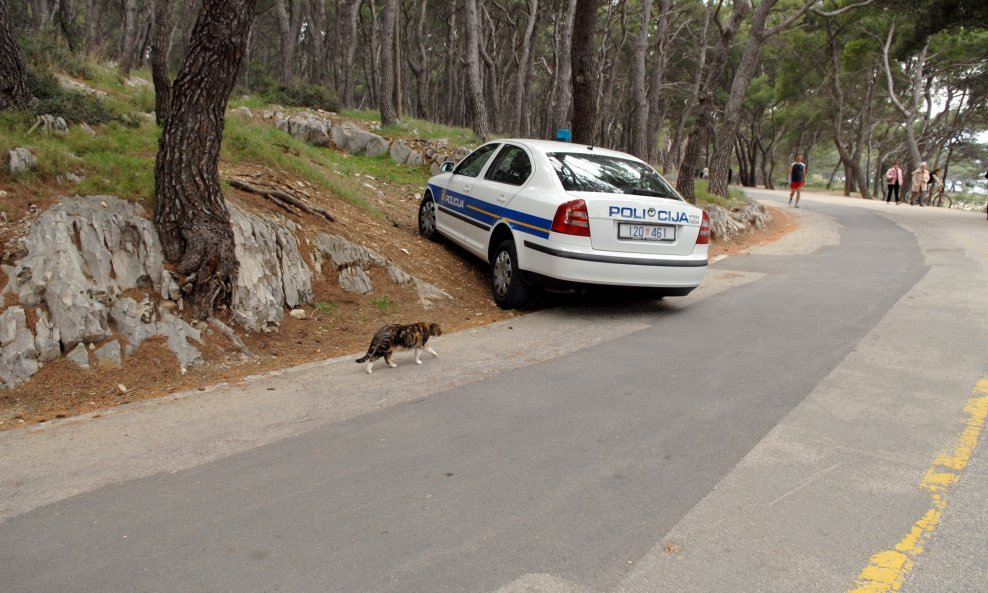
x=384, y=304
x=327, y=308
x=735, y=199
x=410, y=128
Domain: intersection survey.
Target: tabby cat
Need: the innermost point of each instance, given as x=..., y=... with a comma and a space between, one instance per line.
x=394, y=336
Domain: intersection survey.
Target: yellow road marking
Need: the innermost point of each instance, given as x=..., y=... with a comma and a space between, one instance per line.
x=887, y=570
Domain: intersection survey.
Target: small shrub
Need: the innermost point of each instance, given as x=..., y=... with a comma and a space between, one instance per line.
x=73, y=106
x=300, y=94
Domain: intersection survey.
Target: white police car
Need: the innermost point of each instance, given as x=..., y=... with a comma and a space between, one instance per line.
x=562, y=215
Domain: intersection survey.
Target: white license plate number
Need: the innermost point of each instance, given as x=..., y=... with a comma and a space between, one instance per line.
x=646, y=232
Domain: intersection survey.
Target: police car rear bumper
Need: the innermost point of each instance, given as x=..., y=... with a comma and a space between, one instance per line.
x=543, y=263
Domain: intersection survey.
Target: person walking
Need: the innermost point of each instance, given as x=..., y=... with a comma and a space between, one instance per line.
x=921, y=176
x=893, y=178
x=797, y=176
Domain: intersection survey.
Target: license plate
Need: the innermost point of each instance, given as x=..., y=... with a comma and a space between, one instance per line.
x=646, y=232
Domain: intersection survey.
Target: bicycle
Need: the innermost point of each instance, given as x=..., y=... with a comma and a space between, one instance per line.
x=939, y=199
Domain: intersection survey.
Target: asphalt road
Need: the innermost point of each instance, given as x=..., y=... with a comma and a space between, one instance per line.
x=770, y=433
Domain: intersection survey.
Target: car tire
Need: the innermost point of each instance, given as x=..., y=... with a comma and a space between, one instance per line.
x=509, y=288
x=427, y=219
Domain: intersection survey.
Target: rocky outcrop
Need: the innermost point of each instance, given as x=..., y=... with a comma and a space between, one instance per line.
x=304, y=127
x=18, y=353
x=351, y=262
x=21, y=160
x=78, y=259
x=272, y=275
x=354, y=140
x=726, y=224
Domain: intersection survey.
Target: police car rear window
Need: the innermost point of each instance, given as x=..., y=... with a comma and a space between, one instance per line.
x=609, y=174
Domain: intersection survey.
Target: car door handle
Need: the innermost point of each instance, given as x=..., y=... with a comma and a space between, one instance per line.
x=502, y=199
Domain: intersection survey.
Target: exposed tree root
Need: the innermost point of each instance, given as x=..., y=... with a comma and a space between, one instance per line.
x=283, y=199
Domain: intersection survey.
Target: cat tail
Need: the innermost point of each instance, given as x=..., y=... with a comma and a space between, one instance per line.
x=364, y=358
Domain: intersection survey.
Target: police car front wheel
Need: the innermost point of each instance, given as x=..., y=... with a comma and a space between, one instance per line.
x=510, y=290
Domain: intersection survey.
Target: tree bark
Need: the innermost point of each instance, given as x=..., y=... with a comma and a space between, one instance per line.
x=675, y=151
x=520, y=113
x=640, y=105
x=351, y=16
x=418, y=62
x=389, y=113
x=128, y=47
x=160, y=44
x=475, y=95
x=699, y=136
x=584, y=66
x=318, y=71
x=190, y=213
x=564, y=88
x=289, y=24
x=660, y=59
x=13, y=75
x=95, y=9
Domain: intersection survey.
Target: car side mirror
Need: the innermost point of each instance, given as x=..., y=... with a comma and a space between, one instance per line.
x=447, y=167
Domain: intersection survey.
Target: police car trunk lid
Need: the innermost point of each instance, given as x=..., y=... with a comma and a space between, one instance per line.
x=641, y=224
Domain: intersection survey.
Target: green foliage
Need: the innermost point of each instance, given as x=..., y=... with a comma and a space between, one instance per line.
x=384, y=304
x=42, y=51
x=73, y=106
x=259, y=81
x=410, y=128
x=327, y=308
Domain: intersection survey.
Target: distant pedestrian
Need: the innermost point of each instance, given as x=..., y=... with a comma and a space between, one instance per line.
x=706, y=172
x=921, y=177
x=893, y=178
x=936, y=183
x=797, y=175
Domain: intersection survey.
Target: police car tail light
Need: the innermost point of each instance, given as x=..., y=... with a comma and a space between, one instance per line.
x=704, y=237
x=572, y=218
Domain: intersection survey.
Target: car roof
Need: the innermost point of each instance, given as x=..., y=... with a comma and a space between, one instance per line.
x=552, y=146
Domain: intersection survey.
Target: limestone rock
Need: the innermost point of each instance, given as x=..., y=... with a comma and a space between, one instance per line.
x=18, y=354
x=298, y=313
x=272, y=275
x=305, y=127
x=722, y=224
x=71, y=84
x=344, y=253
x=46, y=338
x=81, y=253
x=356, y=280
x=244, y=112
x=109, y=356
x=399, y=276
x=356, y=141
x=178, y=333
x=21, y=160
x=429, y=292
x=754, y=214
x=80, y=356
x=128, y=319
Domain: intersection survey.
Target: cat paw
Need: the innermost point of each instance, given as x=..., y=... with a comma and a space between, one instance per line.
x=369, y=371
x=418, y=362
x=393, y=365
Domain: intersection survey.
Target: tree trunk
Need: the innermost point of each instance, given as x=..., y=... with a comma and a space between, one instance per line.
x=13, y=75
x=699, y=136
x=289, y=24
x=475, y=96
x=519, y=115
x=660, y=59
x=677, y=139
x=190, y=213
x=128, y=47
x=418, y=62
x=95, y=9
x=349, y=23
x=389, y=113
x=160, y=44
x=584, y=66
x=639, y=100
x=318, y=72
x=564, y=88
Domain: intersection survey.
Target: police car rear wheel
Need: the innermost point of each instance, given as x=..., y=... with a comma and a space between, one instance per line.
x=427, y=219
x=510, y=290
